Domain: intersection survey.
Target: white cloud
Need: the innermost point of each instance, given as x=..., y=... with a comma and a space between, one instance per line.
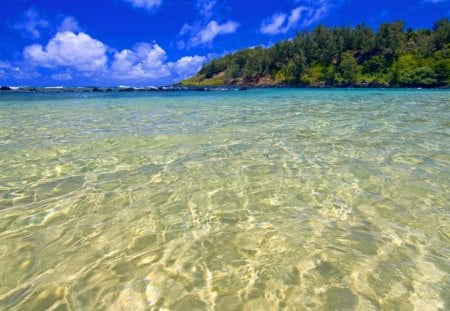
x=31, y=24
x=148, y=62
x=4, y=67
x=81, y=55
x=144, y=61
x=187, y=66
x=186, y=29
x=62, y=76
x=14, y=71
x=281, y=23
x=206, y=35
x=205, y=29
x=206, y=7
x=274, y=25
x=77, y=51
x=294, y=17
x=316, y=14
x=69, y=24
x=145, y=4
x=306, y=15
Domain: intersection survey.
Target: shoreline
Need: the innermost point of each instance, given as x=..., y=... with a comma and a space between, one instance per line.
x=188, y=88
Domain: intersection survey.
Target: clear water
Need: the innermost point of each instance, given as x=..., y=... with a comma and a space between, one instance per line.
x=257, y=200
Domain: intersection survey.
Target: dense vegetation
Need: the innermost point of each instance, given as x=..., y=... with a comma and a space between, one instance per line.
x=341, y=56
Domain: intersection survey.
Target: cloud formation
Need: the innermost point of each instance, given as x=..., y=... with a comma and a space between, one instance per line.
x=281, y=23
x=305, y=15
x=206, y=7
x=205, y=30
x=69, y=24
x=4, y=67
x=67, y=49
x=144, y=61
x=31, y=24
x=186, y=66
x=145, y=4
x=8, y=70
x=81, y=55
x=207, y=34
x=148, y=62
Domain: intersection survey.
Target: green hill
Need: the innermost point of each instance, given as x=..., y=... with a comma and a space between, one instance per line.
x=340, y=56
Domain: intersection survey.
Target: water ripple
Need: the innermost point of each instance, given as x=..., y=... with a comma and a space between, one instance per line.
x=262, y=200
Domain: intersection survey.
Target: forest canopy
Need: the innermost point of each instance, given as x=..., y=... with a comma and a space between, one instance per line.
x=340, y=56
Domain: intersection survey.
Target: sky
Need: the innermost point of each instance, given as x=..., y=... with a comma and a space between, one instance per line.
x=159, y=42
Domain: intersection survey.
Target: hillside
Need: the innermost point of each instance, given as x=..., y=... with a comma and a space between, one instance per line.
x=340, y=56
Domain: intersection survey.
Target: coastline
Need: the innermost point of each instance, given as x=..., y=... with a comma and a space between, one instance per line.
x=201, y=88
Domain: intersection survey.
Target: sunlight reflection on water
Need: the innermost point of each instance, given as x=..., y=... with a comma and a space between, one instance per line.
x=258, y=200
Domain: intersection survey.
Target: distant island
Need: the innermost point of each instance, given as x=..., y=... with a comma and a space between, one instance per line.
x=340, y=56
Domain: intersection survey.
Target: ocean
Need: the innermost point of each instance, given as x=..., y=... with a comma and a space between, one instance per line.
x=267, y=199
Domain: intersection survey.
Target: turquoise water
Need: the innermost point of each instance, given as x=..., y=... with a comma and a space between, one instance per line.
x=258, y=200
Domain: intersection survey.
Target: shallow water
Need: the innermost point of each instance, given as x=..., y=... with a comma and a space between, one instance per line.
x=257, y=200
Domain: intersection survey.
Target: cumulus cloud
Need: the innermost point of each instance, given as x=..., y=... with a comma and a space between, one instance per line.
x=213, y=29
x=148, y=62
x=72, y=53
x=186, y=66
x=145, y=4
x=305, y=15
x=144, y=61
x=31, y=24
x=67, y=49
x=69, y=24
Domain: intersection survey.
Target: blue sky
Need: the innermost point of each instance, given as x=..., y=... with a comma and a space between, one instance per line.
x=157, y=42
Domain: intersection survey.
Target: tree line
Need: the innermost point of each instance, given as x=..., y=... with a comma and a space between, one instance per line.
x=339, y=56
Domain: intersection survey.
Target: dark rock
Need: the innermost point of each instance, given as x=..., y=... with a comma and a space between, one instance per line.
x=5, y=88
x=127, y=89
x=96, y=89
x=109, y=90
x=201, y=89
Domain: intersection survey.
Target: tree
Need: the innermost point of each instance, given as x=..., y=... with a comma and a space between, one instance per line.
x=364, y=38
x=442, y=71
x=295, y=68
x=348, y=68
x=441, y=35
x=389, y=37
x=233, y=71
x=326, y=48
x=423, y=76
x=340, y=55
x=374, y=65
